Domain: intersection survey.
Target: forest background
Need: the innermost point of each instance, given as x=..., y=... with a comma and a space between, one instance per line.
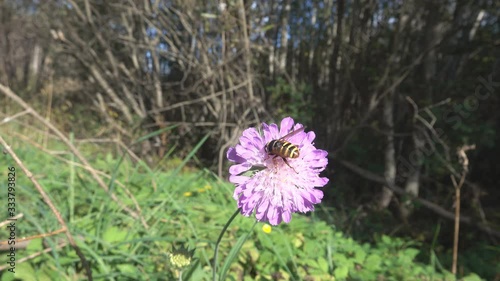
x=404, y=96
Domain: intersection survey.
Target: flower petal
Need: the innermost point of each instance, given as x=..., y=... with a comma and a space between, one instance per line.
x=238, y=179
x=239, y=168
x=286, y=126
x=273, y=216
x=287, y=216
x=271, y=132
x=233, y=156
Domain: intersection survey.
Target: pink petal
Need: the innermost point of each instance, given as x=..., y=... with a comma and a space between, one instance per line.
x=286, y=126
x=287, y=216
x=261, y=209
x=238, y=179
x=233, y=156
x=239, y=168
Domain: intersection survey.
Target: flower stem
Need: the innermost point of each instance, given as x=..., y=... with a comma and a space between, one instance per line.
x=218, y=242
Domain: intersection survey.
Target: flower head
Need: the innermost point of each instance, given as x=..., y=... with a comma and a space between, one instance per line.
x=266, y=228
x=180, y=258
x=278, y=188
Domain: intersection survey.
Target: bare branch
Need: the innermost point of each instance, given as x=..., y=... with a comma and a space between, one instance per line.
x=428, y=204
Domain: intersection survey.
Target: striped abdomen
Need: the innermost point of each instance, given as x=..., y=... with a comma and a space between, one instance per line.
x=282, y=148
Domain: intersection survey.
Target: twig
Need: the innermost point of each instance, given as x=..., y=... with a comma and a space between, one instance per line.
x=203, y=99
x=430, y=126
x=465, y=168
x=10, y=118
x=34, y=255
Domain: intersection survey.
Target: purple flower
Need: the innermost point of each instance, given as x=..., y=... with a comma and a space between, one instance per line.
x=273, y=189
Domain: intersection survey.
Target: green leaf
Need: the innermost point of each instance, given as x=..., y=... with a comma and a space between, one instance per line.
x=341, y=272
x=155, y=133
x=114, y=234
x=386, y=239
x=411, y=253
x=373, y=262
x=233, y=254
x=339, y=259
x=24, y=271
x=359, y=255
x=191, y=154
x=323, y=264
x=472, y=277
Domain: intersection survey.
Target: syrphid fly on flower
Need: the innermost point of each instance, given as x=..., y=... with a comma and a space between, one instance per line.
x=276, y=192
x=283, y=148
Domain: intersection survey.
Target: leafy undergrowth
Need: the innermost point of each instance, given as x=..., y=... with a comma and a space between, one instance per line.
x=180, y=208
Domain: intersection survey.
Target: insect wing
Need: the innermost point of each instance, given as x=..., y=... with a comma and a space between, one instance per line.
x=292, y=133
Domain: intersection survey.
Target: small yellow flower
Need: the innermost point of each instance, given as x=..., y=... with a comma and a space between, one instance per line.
x=267, y=228
x=207, y=187
x=180, y=258
x=188, y=194
x=201, y=190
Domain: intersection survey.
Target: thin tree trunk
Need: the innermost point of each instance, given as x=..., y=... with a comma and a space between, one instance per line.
x=333, y=76
x=389, y=153
x=246, y=41
x=412, y=186
x=283, y=47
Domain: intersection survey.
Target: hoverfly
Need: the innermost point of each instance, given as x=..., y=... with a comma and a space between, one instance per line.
x=284, y=149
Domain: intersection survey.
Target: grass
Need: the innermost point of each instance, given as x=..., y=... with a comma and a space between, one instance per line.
x=178, y=207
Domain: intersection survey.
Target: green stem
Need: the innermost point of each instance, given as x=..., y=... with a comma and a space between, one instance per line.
x=218, y=242
x=238, y=248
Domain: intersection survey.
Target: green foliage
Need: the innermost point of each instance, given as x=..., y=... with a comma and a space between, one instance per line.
x=185, y=209
x=481, y=258
x=292, y=99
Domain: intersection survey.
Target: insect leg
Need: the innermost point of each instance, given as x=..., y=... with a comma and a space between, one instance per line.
x=286, y=162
